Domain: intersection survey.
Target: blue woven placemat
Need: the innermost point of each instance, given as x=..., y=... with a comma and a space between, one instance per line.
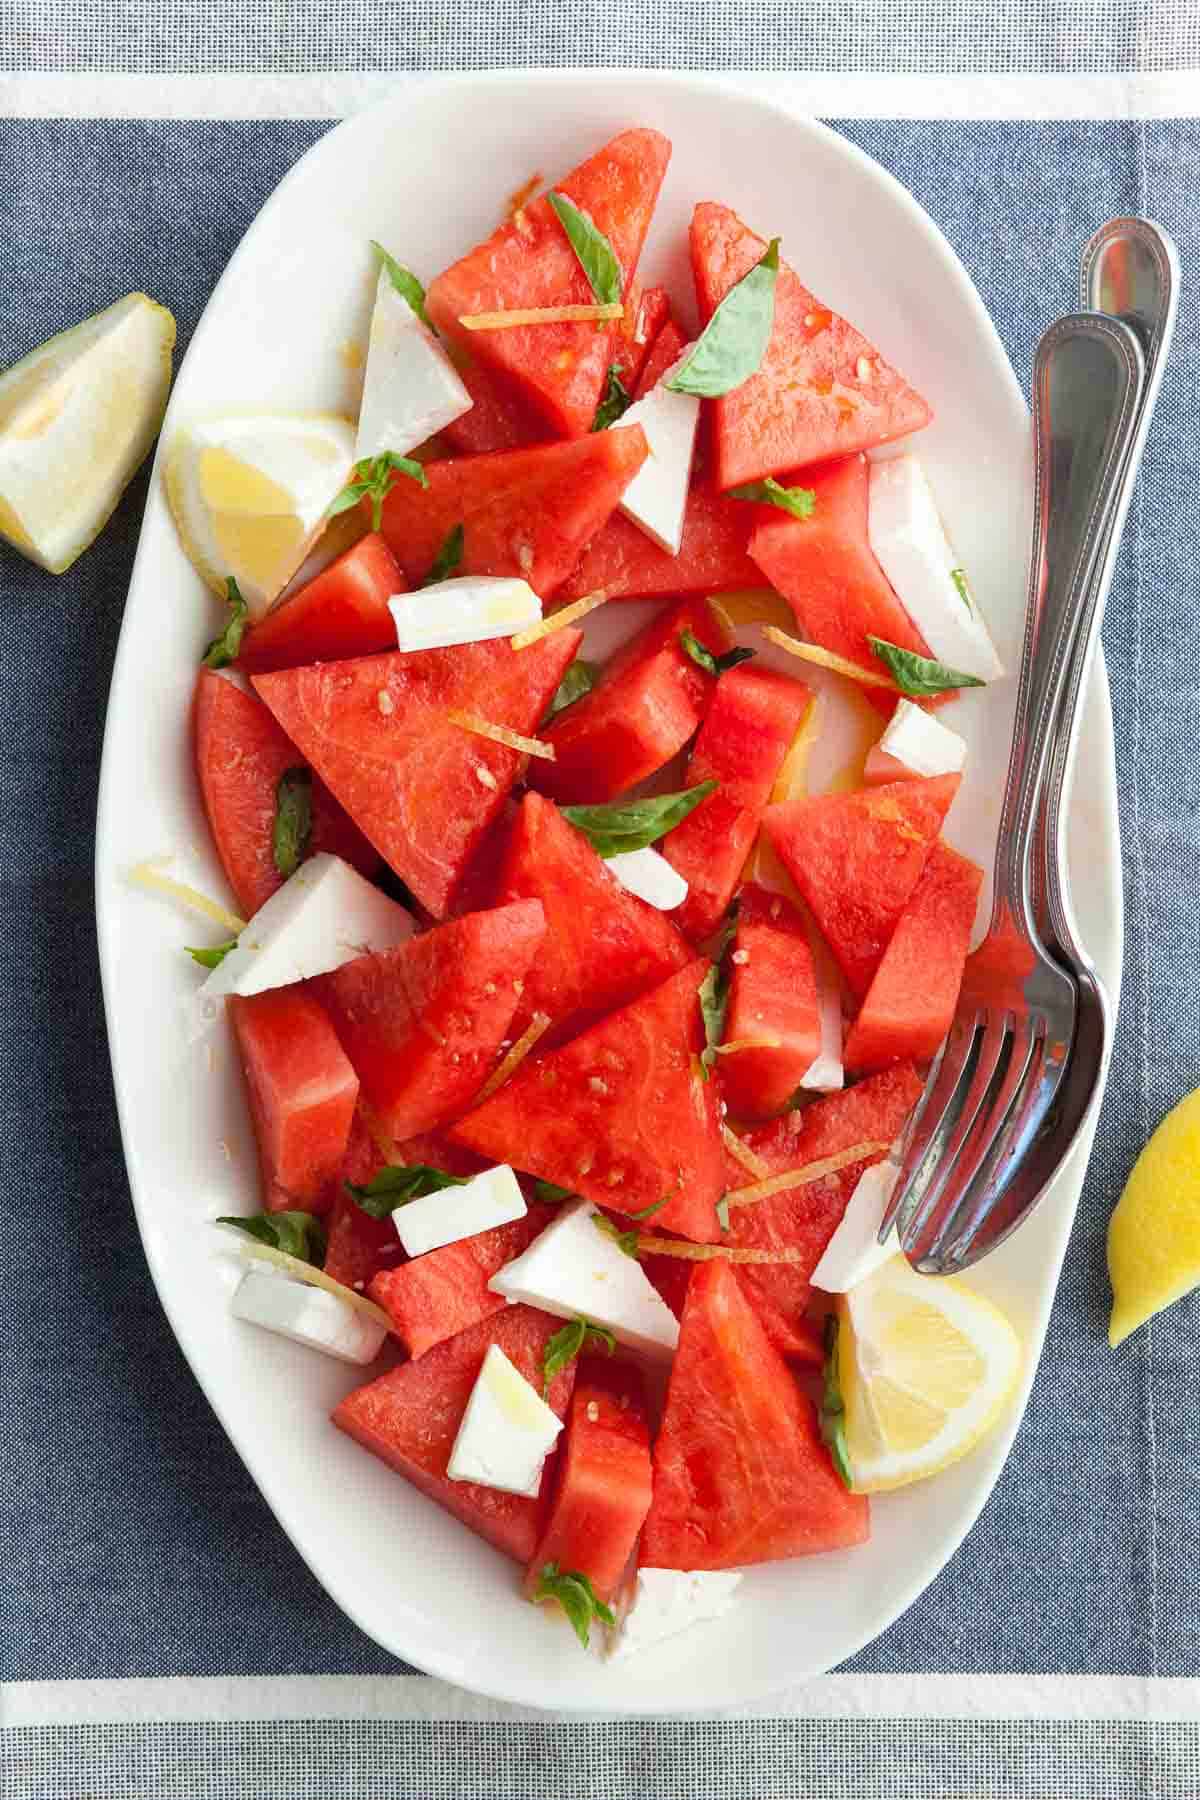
x=132, y=1543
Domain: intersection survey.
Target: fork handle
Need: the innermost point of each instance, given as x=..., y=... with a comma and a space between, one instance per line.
x=1087, y=378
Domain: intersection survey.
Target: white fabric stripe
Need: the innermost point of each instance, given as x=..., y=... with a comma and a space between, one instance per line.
x=333, y=96
x=414, y=1697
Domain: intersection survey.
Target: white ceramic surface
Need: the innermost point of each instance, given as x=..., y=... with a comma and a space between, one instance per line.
x=428, y=176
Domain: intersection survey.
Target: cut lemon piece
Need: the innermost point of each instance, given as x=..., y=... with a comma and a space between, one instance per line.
x=1154, y=1234
x=250, y=491
x=77, y=416
x=925, y=1367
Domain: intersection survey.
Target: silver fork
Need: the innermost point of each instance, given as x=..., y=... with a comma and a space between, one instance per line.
x=994, y=1090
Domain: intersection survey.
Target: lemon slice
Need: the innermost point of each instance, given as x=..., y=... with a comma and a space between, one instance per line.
x=1154, y=1233
x=924, y=1367
x=77, y=416
x=250, y=491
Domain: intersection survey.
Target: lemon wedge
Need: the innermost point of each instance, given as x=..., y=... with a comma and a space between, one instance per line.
x=1154, y=1233
x=77, y=416
x=250, y=491
x=921, y=1369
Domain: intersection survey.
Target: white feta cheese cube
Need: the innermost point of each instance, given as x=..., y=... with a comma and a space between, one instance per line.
x=411, y=389
x=324, y=915
x=507, y=1431
x=667, y=1601
x=307, y=1315
x=575, y=1271
x=492, y=1198
x=908, y=538
x=469, y=609
x=825, y=1074
x=656, y=498
x=854, y=1252
x=915, y=742
x=651, y=877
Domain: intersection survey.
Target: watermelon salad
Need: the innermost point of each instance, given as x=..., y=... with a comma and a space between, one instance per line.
x=577, y=1032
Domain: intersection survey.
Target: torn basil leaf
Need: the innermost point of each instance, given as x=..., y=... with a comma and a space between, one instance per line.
x=579, y=679
x=374, y=478
x=579, y=1335
x=225, y=646
x=404, y=282
x=214, y=956
x=703, y=657
x=615, y=400
x=633, y=824
x=297, y=1234
x=798, y=501
x=919, y=676
x=447, y=558
x=577, y=1597
x=292, y=829
x=594, y=253
x=832, y=1418
x=734, y=342
x=398, y=1183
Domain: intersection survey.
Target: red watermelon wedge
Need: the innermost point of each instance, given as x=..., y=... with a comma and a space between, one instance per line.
x=822, y=390
x=523, y=512
x=423, y=790
x=805, y=1218
x=772, y=994
x=826, y=570
x=641, y=713
x=646, y=315
x=752, y=718
x=498, y=419
x=620, y=1114
x=713, y=559
x=422, y=1023
x=241, y=752
x=603, y=945
x=436, y=1296
x=341, y=612
x=528, y=262
x=302, y=1092
x=665, y=352
x=603, y=1491
x=910, y=1003
x=856, y=859
x=410, y=1418
x=740, y=1472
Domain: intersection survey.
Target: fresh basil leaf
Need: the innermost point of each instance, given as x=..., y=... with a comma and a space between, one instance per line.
x=734, y=342
x=224, y=648
x=633, y=824
x=722, y=1212
x=714, y=993
x=615, y=400
x=628, y=1242
x=212, y=958
x=919, y=676
x=567, y=1344
x=798, y=501
x=648, y=1212
x=550, y=1193
x=374, y=478
x=404, y=282
x=577, y=1597
x=703, y=657
x=293, y=820
x=832, y=1418
x=580, y=679
x=447, y=558
x=595, y=255
x=959, y=578
x=398, y=1183
x=298, y=1234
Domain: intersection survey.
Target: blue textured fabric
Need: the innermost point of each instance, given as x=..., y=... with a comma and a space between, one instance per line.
x=131, y=1540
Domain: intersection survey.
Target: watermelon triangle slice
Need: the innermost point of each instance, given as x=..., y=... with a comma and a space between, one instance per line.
x=603, y=945
x=528, y=262
x=620, y=1115
x=910, y=1003
x=422, y=1024
x=423, y=790
x=825, y=567
x=856, y=859
x=740, y=1472
x=435, y=1296
x=410, y=1418
x=713, y=558
x=805, y=1218
x=523, y=512
x=821, y=390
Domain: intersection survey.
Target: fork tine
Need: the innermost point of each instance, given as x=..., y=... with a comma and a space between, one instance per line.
x=971, y=1191
x=932, y=1122
x=1028, y=1118
x=992, y=1063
